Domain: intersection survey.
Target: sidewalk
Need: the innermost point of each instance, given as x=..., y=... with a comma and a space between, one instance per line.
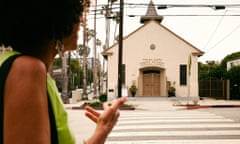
x=153, y=104
x=211, y=103
x=158, y=103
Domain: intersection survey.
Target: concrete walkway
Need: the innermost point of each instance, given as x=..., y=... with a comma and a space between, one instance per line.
x=156, y=103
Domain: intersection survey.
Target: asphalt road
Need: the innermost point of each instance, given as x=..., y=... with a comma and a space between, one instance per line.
x=83, y=127
x=231, y=113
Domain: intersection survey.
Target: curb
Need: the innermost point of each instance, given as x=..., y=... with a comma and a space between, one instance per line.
x=211, y=106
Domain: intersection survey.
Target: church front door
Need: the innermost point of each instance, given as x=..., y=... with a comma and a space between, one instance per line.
x=151, y=83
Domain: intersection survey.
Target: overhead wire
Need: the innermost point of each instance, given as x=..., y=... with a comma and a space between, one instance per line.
x=221, y=40
x=217, y=27
x=144, y=5
x=215, y=30
x=115, y=7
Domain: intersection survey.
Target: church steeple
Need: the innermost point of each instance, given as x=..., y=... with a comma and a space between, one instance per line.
x=151, y=14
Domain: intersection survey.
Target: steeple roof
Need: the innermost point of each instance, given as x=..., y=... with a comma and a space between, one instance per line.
x=151, y=14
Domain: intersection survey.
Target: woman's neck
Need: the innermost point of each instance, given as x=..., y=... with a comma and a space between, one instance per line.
x=46, y=55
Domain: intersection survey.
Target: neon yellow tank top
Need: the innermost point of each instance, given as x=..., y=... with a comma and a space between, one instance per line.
x=65, y=135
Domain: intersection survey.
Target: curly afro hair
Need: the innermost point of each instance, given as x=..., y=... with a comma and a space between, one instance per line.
x=30, y=24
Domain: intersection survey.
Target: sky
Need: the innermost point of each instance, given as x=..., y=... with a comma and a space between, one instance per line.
x=217, y=36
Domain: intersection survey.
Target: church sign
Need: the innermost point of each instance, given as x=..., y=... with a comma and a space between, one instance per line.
x=147, y=62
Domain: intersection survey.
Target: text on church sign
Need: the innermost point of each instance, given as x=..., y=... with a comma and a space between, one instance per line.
x=151, y=62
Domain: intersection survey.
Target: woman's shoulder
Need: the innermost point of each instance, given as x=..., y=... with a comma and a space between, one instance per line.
x=28, y=64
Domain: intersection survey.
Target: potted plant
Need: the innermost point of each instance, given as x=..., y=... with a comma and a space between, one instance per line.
x=171, y=90
x=133, y=90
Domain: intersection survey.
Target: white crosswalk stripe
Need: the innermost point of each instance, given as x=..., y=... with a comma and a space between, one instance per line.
x=174, y=127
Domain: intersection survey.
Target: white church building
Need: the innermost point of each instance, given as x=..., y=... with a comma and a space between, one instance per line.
x=153, y=58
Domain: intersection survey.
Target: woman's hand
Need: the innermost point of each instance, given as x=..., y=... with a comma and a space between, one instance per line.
x=105, y=121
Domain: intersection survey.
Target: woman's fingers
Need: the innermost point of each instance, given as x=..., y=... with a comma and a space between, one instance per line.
x=118, y=103
x=92, y=110
x=115, y=118
x=92, y=117
x=110, y=114
x=92, y=114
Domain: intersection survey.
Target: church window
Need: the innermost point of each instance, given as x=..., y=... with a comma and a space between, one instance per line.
x=183, y=74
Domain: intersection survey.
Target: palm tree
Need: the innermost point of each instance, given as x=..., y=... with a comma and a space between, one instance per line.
x=99, y=43
x=90, y=34
x=84, y=52
x=107, y=12
x=116, y=18
x=64, y=79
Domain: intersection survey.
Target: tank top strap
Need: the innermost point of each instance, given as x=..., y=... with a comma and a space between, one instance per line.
x=5, y=66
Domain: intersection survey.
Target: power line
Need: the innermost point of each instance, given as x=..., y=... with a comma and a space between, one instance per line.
x=165, y=6
x=198, y=14
x=220, y=41
x=100, y=8
x=214, y=31
x=190, y=15
x=173, y=15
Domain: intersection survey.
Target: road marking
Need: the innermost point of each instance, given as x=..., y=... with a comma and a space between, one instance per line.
x=159, y=126
x=170, y=117
x=212, y=141
x=173, y=121
x=174, y=127
x=176, y=133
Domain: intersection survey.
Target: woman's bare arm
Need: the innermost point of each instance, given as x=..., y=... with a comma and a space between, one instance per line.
x=26, y=119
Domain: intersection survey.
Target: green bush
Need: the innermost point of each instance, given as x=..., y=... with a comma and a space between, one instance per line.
x=93, y=104
x=98, y=104
x=103, y=98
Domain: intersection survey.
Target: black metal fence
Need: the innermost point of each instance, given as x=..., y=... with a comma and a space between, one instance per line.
x=214, y=88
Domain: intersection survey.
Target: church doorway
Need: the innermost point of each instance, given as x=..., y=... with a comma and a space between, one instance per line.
x=151, y=83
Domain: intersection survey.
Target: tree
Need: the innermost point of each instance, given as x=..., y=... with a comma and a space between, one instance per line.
x=90, y=34
x=211, y=70
x=203, y=71
x=108, y=14
x=98, y=42
x=229, y=58
x=219, y=71
x=234, y=76
x=76, y=74
x=116, y=18
x=75, y=70
x=57, y=63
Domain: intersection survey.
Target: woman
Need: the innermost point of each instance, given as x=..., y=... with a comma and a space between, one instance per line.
x=31, y=110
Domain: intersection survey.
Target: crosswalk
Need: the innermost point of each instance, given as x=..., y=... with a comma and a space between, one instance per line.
x=174, y=127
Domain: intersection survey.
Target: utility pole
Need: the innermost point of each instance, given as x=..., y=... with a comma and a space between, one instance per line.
x=120, y=49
